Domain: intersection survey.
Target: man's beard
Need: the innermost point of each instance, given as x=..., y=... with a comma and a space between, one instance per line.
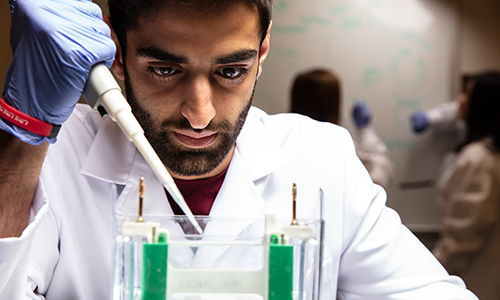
x=182, y=160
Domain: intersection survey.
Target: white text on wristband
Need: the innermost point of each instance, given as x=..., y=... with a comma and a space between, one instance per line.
x=26, y=122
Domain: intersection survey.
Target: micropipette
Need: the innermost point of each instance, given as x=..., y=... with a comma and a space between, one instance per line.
x=102, y=89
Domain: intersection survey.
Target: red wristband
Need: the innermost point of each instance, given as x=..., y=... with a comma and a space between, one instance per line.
x=26, y=122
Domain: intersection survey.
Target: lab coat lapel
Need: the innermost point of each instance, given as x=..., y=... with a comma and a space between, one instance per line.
x=110, y=156
x=124, y=167
x=236, y=204
x=238, y=196
x=256, y=155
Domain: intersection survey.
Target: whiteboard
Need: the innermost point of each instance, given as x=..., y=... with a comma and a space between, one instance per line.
x=394, y=55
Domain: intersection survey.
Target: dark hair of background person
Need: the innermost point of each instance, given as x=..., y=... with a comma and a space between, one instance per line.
x=465, y=79
x=125, y=14
x=483, y=117
x=316, y=94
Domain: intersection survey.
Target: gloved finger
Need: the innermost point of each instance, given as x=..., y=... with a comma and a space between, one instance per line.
x=89, y=7
x=86, y=7
x=40, y=25
x=12, y=4
x=47, y=17
x=99, y=47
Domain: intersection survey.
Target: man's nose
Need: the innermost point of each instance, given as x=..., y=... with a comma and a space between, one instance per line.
x=198, y=105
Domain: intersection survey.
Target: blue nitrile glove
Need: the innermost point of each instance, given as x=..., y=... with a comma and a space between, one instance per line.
x=54, y=45
x=419, y=121
x=361, y=114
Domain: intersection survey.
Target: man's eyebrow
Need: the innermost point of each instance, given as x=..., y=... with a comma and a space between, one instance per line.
x=159, y=54
x=236, y=57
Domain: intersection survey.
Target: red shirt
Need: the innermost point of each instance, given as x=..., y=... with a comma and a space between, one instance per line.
x=199, y=194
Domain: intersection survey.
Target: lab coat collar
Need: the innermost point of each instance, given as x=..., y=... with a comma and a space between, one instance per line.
x=258, y=149
x=113, y=158
x=111, y=155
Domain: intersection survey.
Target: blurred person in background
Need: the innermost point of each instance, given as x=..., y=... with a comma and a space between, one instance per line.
x=443, y=118
x=469, y=191
x=317, y=94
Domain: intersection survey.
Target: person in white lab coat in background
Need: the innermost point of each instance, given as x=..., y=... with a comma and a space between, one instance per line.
x=469, y=192
x=317, y=93
x=190, y=69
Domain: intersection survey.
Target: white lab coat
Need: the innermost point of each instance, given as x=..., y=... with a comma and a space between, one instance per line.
x=469, y=200
x=375, y=156
x=368, y=254
x=444, y=119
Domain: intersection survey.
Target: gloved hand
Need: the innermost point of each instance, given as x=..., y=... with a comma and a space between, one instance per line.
x=361, y=114
x=419, y=121
x=54, y=45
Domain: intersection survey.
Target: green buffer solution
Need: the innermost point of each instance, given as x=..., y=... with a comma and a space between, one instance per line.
x=154, y=269
x=280, y=270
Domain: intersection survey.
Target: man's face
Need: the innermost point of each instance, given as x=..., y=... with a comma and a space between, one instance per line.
x=190, y=77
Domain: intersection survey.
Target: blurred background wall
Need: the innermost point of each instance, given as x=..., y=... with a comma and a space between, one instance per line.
x=479, y=35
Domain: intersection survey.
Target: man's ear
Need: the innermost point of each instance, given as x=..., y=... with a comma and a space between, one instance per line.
x=117, y=66
x=264, y=48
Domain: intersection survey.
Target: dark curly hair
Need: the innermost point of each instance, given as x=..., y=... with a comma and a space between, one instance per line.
x=125, y=14
x=483, y=116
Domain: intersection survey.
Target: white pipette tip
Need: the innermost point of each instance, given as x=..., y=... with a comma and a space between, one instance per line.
x=195, y=223
x=177, y=196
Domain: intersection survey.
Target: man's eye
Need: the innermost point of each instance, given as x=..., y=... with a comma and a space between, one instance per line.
x=163, y=71
x=231, y=73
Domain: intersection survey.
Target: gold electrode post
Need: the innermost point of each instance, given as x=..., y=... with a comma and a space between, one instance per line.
x=294, y=209
x=141, y=197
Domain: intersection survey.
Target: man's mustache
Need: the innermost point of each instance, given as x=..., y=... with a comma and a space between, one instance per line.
x=171, y=125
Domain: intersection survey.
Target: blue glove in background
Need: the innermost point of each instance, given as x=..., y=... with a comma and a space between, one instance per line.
x=361, y=114
x=419, y=121
x=54, y=44
x=12, y=3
